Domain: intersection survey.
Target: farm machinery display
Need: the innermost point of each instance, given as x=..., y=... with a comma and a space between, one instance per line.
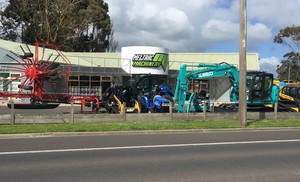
x=43, y=85
x=259, y=86
x=143, y=96
x=44, y=76
x=43, y=79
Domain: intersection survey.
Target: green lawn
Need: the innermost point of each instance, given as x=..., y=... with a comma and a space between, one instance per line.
x=139, y=126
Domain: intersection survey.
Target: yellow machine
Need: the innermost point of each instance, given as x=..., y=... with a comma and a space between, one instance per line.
x=289, y=98
x=114, y=98
x=122, y=108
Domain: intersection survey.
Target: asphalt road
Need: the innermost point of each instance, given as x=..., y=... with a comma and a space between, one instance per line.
x=272, y=155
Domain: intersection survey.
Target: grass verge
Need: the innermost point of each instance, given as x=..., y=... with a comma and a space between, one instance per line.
x=139, y=126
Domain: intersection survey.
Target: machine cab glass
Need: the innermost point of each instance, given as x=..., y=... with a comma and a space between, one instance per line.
x=259, y=86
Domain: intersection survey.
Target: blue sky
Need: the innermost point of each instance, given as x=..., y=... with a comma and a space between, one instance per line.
x=204, y=25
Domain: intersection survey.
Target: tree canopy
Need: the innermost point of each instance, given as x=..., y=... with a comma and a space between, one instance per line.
x=289, y=68
x=72, y=25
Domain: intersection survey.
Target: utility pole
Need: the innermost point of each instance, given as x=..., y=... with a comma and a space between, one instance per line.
x=242, y=64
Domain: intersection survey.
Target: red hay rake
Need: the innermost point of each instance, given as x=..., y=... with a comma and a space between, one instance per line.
x=44, y=81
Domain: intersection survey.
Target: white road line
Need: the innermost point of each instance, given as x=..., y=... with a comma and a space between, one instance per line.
x=148, y=146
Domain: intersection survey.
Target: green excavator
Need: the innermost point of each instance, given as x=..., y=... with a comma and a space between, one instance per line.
x=261, y=91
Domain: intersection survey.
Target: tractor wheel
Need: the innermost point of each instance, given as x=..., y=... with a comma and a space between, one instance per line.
x=151, y=110
x=142, y=104
x=110, y=105
x=94, y=108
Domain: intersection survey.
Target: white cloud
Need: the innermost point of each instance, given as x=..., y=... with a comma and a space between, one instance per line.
x=279, y=13
x=201, y=25
x=269, y=65
x=220, y=30
x=155, y=20
x=259, y=32
x=151, y=23
x=204, y=25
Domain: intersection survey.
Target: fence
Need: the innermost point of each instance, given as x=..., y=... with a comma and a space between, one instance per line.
x=72, y=117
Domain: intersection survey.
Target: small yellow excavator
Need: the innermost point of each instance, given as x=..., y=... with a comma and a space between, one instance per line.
x=289, y=98
x=114, y=98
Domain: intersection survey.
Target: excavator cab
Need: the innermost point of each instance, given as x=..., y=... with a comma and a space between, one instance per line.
x=292, y=90
x=289, y=98
x=259, y=86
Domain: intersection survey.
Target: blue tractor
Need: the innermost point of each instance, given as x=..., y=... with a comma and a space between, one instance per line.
x=154, y=95
x=157, y=101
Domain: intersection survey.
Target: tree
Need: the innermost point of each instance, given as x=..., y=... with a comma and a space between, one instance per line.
x=72, y=25
x=289, y=68
x=8, y=28
x=112, y=44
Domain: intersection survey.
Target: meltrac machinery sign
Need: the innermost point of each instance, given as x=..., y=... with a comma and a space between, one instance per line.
x=145, y=60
